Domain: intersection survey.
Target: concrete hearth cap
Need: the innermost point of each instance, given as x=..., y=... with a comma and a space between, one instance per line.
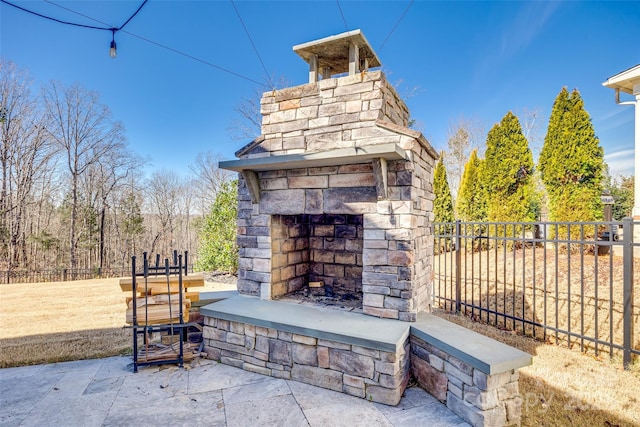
x=333, y=51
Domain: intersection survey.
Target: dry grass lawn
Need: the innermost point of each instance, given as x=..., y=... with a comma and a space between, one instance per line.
x=49, y=322
x=59, y=321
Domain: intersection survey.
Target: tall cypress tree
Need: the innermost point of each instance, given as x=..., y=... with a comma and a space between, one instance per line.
x=443, y=203
x=471, y=204
x=507, y=173
x=572, y=161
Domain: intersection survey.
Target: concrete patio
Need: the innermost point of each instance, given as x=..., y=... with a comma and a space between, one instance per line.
x=105, y=392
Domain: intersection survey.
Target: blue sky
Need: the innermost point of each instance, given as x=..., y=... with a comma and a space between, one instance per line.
x=476, y=60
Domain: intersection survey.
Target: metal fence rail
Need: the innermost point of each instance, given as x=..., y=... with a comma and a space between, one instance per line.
x=555, y=281
x=64, y=274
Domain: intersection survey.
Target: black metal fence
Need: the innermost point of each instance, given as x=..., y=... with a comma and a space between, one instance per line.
x=561, y=282
x=64, y=274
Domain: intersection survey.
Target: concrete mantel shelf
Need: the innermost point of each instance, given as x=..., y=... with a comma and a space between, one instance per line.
x=335, y=157
x=377, y=154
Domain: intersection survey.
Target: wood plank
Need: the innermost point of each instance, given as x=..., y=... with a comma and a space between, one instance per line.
x=191, y=281
x=193, y=296
x=158, y=314
x=157, y=299
x=157, y=353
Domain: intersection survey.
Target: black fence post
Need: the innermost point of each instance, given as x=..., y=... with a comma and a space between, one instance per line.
x=627, y=261
x=458, y=266
x=64, y=275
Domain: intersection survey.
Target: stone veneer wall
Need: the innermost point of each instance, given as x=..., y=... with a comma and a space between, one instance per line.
x=331, y=113
x=352, y=111
x=289, y=253
x=335, y=243
x=375, y=375
x=479, y=398
x=397, y=249
x=325, y=248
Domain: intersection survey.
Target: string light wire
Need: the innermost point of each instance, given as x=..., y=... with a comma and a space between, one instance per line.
x=75, y=12
x=91, y=27
x=179, y=52
x=53, y=19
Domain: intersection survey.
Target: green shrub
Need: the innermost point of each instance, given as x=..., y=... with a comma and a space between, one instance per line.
x=218, y=250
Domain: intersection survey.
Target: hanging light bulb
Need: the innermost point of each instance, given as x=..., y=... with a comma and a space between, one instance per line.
x=112, y=50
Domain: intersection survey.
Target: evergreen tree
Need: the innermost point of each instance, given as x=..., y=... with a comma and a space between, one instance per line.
x=132, y=221
x=443, y=203
x=572, y=161
x=507, y=173
x=218, y=249
x=471, y=204
x=621, y=189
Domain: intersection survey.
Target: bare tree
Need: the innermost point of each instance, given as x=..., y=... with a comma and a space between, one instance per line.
x=25, y=153
x=101, y=180
x=463, y=136
x=85, y=132
x=208, y=179
x=163, y=197
x=532, y=128
x=248, y=124
x=185, y=210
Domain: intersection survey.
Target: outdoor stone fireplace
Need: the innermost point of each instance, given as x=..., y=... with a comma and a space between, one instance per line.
x=335, y=202
x=335, y=196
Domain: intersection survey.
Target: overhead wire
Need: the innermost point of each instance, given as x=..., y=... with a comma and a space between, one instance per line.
x=217, y=67
x=74, y=11
x=255, y=49
x=179, y=52
x=343, y=18
x=396, y=25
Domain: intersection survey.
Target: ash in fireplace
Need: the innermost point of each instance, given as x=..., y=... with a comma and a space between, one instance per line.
x=326, y=297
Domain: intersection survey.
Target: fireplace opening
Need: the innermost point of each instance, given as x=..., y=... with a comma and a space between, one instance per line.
x=317, y=259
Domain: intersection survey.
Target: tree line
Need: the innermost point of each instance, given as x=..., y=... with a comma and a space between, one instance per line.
x=506, y=185
x=74, y=195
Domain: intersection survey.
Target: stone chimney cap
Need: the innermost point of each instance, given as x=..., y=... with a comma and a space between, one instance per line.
x=333, y=52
